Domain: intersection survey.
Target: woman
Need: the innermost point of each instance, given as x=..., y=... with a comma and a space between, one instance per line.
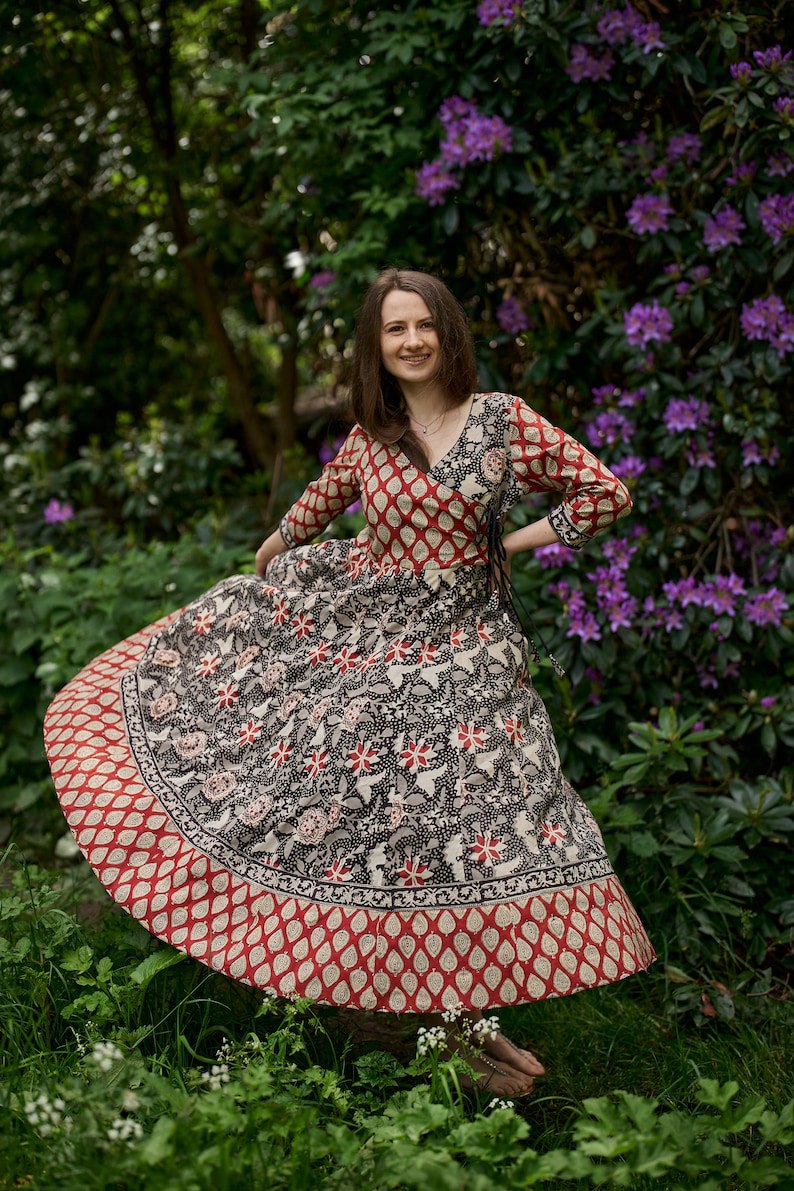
x=335, y=778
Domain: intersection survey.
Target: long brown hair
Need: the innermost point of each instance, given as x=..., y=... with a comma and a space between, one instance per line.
x=377, y=400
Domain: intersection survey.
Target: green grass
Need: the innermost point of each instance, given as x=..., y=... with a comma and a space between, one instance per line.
x=305, y=1107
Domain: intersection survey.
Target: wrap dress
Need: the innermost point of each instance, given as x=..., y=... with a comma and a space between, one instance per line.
x=339, y=781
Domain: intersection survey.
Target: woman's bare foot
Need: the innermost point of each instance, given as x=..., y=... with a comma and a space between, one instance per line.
x=504, y=1078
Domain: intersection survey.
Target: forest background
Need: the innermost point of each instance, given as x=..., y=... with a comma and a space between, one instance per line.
x=193, y=199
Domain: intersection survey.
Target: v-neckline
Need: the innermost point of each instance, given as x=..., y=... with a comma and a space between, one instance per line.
x=447, y=453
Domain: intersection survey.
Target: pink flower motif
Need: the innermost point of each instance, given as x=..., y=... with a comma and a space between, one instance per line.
x=246, y=657
x=311, y=825
x=316, y=763
x=470, y=736
x=318, y=653
x=190, y=745
x=218, y=785
x=427, y=652
x=360, y=759
x=237, y=618
x=203, y=622
x=318, y=711
x=487, y=848
x=398, y=650
x=253, y=814
x=413, y=871
x=553, y=833
x=288, y=706
x=164, y=706
x=514, y=730
x=303, y=625
x=166, y=657
x=249, y=732
x=273, y=675
x=281, y=752
x=208, y=665
x=352, y=712
x=396, y=811
x=227, y=695
x=493, y=464
x=416, y=755
x=337, y=871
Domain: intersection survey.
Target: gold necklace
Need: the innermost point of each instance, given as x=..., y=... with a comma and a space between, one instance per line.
x=425, y=428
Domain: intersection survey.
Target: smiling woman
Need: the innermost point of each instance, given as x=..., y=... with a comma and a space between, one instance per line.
x=340, y=782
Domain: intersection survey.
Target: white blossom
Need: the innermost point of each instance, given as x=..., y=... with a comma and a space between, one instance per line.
x=105, y=1054
x=45, y=1114
x=487, y=1026
x=430, y=1039
x=125, y=1129
x=216, y=1076
x=494, y=1104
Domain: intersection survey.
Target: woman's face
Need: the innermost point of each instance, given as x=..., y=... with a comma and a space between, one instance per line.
x=409, y=345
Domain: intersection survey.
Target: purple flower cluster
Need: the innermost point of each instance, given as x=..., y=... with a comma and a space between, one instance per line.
x=719, y=596
x=322, y=279
x=645, y=322
x=779, y=165
x=433, y=180
x=784, y=106
x=699, y=454
x=629, y=467
x=773, y=59
x=741, y=72
x=512, y=317
x=468, y=136
x=628, y=398
x=767, y=318
x=553, y=555
x=581, y=622
x=722, y=229
x=584, y=63
x=743, y=174
x=684, y=146
x=55, y=512
x=649, y=213
x=612, y=595
x=618, y=25
x=688, y=413
x=776, y=213
x=497, y=12
x=767, y=607
x=610, y=427
x=752, y=453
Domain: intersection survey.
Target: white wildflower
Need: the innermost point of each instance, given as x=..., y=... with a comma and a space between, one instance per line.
x=487, y=1026
x=494, y=1104
x=105, y=1054
x=430, y=1039
x=224, y=1051
x=125, y=1129
x=129, y=1101
x=451, y=1015
x=216, y=1076
x=44, y=1114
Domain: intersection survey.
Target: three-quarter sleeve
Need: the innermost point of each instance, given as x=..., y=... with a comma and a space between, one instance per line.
x=544, y=456
x=337, y=486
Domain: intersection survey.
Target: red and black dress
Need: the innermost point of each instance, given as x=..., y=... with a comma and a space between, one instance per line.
x=339, y=781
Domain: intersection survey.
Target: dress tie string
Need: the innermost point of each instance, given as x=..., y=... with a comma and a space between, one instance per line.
x=489, y=530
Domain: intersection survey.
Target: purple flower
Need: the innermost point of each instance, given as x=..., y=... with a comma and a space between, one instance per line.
x=583, y=64
x=647, y=321
x=672, y=270
x=779, y=165
x=511, y=316
x=685, y=146
x=682, y=288
x=723, y=229
x=647, y=35
x=768, y=701
x=698, y=455
x=628, y=468
x=659, y=173
x=743, y=174
x=776, y=213
x=616, y=26
x=766, y=608
x=778, y=536
x=767, y=318
x=741, y=72
x=610, y=427
x=433, y=180
x=784, y=106
x=55, y=512
x=469, y=135
x=649, y=213
x=553, y=555
x=498, y=12
x=682, y=414
x=602, y=392
x=752, y=453
x=700, y=273
x=455, y=108
x=322, y=279
x=628, y=398
x=772, y=59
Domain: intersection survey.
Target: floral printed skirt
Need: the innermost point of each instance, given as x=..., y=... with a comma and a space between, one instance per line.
x=339, y=782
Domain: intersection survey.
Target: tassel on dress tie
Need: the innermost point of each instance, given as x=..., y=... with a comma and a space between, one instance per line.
x=489, y=527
